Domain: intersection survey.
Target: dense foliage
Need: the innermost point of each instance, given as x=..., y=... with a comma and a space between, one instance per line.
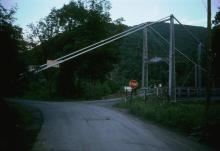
x=74, y=26
x=216, y=49
x=131, y=55
x=105, y=70
x=12, y=46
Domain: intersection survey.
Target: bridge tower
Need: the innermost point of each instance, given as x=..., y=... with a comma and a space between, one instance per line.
x=145, y=60
x=198, y=71
x=199, y=81
x=172, y=72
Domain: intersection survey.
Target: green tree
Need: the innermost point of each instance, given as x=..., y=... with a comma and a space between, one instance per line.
x=74, y=26
x=216, y=48
x=12, y=44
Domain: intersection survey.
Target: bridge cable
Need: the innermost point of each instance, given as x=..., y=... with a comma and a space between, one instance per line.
x=185, y=28
x=178, y=49
x=75, y=52
x=102, y=41
x=187, y=77
x=144, y=25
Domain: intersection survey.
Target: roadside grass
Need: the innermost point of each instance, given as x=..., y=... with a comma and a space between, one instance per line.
x=40, y=98
x=187, y=117
x=35, y=97
x=20, y=126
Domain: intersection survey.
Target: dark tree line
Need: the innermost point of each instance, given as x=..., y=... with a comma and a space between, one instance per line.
x=77, y=25
x=216, y=48
x=74, y=26
x=12, y=45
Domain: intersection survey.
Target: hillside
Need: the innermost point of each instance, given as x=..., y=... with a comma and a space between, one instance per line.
x=131, y=52
x=112, y=66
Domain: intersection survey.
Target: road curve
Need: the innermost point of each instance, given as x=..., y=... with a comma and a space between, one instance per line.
x=83, y=126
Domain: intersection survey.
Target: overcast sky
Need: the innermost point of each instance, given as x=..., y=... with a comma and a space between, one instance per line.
x=191, y=12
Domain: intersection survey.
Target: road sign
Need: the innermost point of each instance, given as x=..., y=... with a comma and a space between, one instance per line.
x=127, y=89
x=133, y=84
x=51, y=62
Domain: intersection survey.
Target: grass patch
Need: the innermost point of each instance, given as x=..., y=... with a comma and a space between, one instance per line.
x=20, y=126
x=187, y=117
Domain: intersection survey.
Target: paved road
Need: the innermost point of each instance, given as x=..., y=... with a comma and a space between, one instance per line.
x=98, y=127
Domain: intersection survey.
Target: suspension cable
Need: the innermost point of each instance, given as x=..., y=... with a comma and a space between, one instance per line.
x=75, y=52
x=157, y=41
x=185, y=28
x=187, y=77
x=103, y=42
x=177, y=49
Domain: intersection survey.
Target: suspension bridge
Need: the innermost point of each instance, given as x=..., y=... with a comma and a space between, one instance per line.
x=172, y=91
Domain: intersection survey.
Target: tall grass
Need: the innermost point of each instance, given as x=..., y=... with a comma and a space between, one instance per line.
x=188, y=117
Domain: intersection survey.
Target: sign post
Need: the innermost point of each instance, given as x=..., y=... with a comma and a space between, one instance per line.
x=127, y=90
x=133, y=84
x=145, y=95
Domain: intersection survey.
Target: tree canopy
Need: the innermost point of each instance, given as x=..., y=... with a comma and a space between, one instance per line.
x=12, y=42
x=81, y=23
x=216, y=48
x=74, y=26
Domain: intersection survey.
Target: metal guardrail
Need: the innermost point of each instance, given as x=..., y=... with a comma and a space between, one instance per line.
x=193, y=92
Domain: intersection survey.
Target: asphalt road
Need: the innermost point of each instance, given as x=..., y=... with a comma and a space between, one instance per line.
x=96, y=126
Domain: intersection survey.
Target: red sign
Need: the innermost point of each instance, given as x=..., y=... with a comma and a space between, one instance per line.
x=133, y=84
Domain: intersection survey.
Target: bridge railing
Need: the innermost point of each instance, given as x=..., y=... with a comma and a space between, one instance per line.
x=158, y=91
x=181, y=92
x=194, y=92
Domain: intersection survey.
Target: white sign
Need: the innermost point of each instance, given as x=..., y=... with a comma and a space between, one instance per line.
x=51, y=62
x=31, y=68
x=127, y=89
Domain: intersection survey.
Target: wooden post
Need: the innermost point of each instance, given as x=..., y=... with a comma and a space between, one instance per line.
x=145, y=96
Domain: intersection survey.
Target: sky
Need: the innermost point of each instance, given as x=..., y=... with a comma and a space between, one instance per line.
x=190, y=12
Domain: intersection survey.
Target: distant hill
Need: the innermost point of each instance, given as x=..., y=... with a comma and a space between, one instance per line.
x=124, y=56
x=131, y=54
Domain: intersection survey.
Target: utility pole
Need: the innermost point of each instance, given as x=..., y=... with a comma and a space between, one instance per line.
x=209, y=57
x=145, y=60
x=172, y=74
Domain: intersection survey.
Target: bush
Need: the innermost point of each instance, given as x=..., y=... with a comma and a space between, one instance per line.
x=95, y=90
x=39, y=89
